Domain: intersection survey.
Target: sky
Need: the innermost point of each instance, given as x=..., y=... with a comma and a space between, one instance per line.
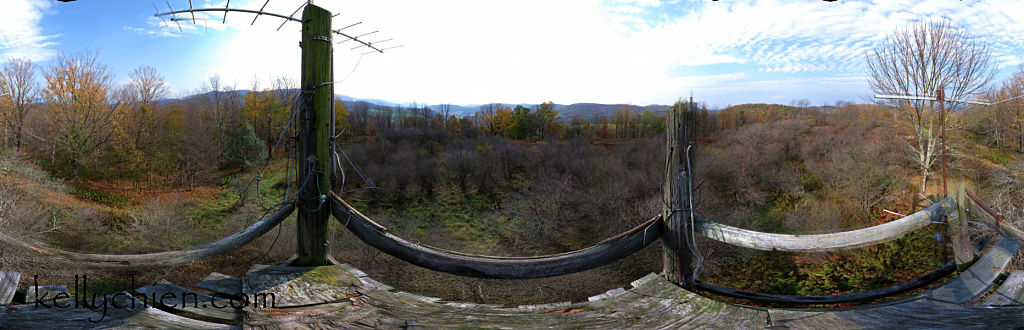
x=518, y=51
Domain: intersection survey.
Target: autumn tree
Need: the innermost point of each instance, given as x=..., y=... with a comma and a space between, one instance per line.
x=138, y=125
x=262, y=110
x=341, y=122
x=18, y=88
x=76, y=94
x=623, y=122
x=919, y=60
x=495, y=118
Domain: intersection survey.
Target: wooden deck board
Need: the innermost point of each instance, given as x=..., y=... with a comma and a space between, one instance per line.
x=1010, y=293
x=185, y=300
x=220, y=283
x=650, y=302
x=139, y=316
x=8, y=285
x=979, y=277
x=301, y=286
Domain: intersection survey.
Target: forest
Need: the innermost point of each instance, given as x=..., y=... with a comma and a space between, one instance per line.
x=91, y=166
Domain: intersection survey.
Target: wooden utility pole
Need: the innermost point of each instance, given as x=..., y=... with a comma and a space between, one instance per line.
x=314, y=137
x=956, y=230
x=679, y=135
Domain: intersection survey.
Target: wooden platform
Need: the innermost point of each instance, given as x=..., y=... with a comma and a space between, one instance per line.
x=979, y=277
x=344, y=297
x=1010, y=293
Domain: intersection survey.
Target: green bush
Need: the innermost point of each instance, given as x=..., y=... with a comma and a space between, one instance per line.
x=101, y=197
x=244, y=148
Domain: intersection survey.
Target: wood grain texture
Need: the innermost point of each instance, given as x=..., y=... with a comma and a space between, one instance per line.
x=220, y=283
x=824, y=242
x=314, y=125
x=979, y=277
x=1010, y=293
x=135, y=315
x=185, y=300
x=8, y=285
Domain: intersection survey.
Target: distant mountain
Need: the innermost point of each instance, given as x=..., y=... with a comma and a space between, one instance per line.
x=590, y=111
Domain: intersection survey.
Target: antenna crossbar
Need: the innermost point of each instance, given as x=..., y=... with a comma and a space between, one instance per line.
x=194, y=10
x=356, y=39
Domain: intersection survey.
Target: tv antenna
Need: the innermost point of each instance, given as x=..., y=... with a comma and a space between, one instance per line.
x=315, y=111
x=191, y=16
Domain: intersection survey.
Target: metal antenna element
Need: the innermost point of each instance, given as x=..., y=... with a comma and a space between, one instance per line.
x=292, y=15
x=351, y=25
x=193, y=14
x=370, y=43
x=259, y=13
x=173, y=17
x=382, y=50
x=161, y=17
x=227, y=8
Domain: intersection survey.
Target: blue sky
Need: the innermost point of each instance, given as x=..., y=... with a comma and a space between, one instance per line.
x=523, y=51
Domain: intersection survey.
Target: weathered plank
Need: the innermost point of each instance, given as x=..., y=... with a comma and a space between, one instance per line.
x=979, y=277
x=8, y=286
x=920, y=314
x=159, y=259
x=185, y=300
x=220, y=283
x=300, y=286
x=134, y=314
x=824, y=242
x=917, y=313
x=465, y=264
x=46, y=293
x=1010, y=293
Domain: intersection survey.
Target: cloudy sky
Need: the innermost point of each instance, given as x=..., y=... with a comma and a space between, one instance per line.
x=520, y=51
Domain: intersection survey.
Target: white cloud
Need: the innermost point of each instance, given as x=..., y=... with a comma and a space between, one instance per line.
x=468, y=51
x=20, y=31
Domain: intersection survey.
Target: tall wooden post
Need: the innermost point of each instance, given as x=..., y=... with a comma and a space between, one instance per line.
x=962, y=247
x=314, y=136
x=677, y=261
x=956, y=230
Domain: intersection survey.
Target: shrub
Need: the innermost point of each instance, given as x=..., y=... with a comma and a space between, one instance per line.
x=244, y=148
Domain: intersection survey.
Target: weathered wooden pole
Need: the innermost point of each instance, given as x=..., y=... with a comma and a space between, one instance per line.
x=314, y=136
x=956, y=230
x=961, y=241
x=677, y=261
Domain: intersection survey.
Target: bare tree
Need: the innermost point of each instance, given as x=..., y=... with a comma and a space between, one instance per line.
x=919, y=60
x=18, y=89
x=1014, y=87
x=148, y=85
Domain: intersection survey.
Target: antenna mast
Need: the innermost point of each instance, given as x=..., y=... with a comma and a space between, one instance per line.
x=315, y=122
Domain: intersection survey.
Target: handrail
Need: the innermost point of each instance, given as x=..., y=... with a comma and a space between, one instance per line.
x=991, y=218
x=824, y=242
x=483, y=266
x=869, y=295
x=159, y=259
